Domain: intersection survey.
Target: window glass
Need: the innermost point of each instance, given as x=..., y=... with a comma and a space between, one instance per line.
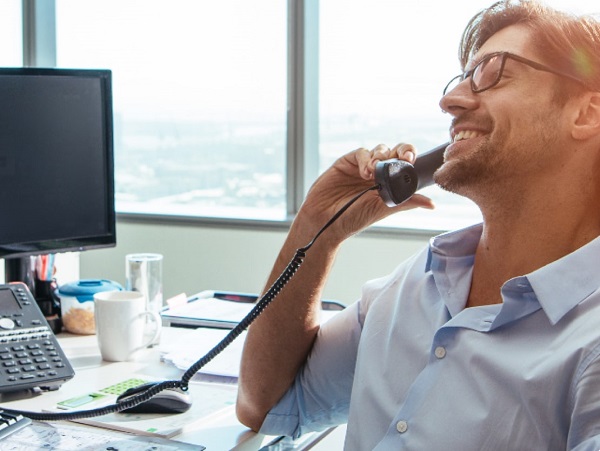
x=199, y=92
x=11, y=48
x=383, y=66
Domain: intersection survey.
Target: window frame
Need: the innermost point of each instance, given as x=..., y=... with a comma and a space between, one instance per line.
x=302, y=154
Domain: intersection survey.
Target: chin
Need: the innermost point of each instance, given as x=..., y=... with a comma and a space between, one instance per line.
x=448, y=176
x=461, y=176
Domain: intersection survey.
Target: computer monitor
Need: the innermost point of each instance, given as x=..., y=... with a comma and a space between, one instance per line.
x=56, y=163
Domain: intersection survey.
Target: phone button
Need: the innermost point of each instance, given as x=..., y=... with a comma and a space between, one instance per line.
x=7, y=323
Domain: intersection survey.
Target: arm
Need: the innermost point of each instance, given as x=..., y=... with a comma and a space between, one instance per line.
x=279, y=341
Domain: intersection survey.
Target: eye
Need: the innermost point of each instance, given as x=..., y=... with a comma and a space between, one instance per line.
x=487, y=72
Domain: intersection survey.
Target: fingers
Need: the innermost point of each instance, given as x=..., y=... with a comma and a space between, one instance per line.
x=380, y=152
x=405, y=151
x=368, y=159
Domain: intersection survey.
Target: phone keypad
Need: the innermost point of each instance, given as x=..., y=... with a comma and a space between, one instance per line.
x=28, y=354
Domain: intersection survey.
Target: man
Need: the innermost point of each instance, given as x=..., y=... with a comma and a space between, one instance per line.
x=490, y=338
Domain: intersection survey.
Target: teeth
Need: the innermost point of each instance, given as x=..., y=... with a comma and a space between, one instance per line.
x=466, y=134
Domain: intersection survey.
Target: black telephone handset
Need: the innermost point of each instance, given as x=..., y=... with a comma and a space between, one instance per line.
x=398, y=180
x=30, y=355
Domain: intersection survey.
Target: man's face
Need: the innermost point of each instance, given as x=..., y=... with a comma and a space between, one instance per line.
x=503, y=135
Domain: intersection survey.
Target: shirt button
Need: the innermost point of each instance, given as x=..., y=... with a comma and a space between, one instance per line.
x=402, y=426
x=440, y=352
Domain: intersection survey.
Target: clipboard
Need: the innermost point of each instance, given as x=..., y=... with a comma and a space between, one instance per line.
x=221, y=309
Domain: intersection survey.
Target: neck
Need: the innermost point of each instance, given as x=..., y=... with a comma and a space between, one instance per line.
x=520, y=236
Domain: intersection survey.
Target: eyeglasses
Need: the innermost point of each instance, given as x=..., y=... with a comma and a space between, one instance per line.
x=488, y=72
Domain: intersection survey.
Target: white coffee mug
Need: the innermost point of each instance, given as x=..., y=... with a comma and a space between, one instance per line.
x=120, y=318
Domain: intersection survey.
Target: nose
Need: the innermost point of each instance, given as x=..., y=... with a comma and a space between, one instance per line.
x=459, y=99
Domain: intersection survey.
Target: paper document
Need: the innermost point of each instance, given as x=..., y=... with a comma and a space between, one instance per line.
x=195, y=345
x=65, y=437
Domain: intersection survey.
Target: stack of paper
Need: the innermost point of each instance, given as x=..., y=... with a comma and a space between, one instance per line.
x=195, y=345
x=207, y=312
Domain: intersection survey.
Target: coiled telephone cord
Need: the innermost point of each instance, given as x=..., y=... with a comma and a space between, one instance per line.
x=183, y=383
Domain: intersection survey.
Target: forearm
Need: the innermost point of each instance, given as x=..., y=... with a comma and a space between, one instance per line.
x=280, y=340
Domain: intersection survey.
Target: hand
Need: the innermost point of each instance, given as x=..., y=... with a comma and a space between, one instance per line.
x=349, y=175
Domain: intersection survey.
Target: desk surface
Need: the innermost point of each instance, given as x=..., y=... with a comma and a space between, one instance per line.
x=219, y=432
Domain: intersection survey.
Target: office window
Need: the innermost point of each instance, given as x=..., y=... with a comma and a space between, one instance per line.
x=199, y=92
x=11, y=47
x=200, y=95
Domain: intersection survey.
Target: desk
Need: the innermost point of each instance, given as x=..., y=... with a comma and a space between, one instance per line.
x=223, y=432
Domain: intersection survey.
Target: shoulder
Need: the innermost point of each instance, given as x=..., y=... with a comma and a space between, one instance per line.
x=385, y=292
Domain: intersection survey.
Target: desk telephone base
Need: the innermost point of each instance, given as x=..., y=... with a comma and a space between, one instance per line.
x=30, y=356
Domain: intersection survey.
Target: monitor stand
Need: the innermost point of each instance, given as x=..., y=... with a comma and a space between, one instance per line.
x=20, y=269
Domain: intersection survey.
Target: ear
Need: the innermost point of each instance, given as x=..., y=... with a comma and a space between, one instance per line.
x=587, y=122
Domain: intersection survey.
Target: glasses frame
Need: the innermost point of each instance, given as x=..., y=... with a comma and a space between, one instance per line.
x=506, y=55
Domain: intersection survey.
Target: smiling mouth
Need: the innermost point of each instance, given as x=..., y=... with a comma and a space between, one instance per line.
x=466, y=134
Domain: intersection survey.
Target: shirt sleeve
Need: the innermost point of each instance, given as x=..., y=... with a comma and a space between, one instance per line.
x=320, y=395
x=584, y=434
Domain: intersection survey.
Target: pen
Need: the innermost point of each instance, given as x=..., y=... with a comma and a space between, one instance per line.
x=236, y=297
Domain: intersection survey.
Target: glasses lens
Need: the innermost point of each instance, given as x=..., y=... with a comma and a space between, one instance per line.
x=483, y=76
x=487, y=73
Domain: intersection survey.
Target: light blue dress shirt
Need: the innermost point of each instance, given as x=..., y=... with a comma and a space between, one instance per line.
x=408, y=367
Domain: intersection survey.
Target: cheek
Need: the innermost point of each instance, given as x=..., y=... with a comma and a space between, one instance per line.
x=526, y=124
x=471, y=166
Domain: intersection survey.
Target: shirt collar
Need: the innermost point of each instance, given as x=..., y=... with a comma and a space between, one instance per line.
x=459, y=243
x=558, y=286
x=564, y=283
x=450, y=259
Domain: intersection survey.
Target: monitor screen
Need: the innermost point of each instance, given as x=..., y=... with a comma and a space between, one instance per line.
x=56, y=161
